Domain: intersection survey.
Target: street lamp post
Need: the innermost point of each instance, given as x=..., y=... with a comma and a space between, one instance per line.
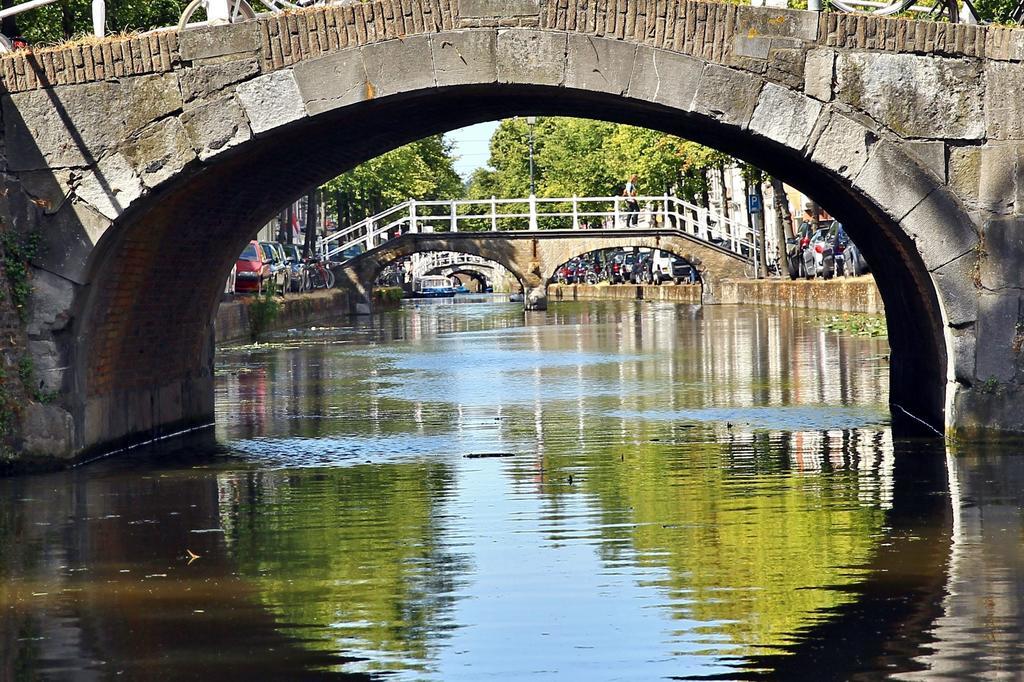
x=531, y=121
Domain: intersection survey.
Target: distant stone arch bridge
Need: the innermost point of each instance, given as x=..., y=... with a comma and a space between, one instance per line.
x=154, y=158
x=533, y=256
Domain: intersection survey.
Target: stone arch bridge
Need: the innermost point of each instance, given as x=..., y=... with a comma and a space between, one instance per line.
x=533, y=256
x=144, y=163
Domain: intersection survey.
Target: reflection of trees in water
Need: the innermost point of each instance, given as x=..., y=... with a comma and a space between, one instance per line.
x=94, y=584
x=751, y=545
x=350, y=557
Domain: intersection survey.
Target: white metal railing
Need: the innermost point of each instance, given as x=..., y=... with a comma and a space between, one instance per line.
x=535, y=214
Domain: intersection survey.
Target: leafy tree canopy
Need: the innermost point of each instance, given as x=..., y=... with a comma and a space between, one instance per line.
x=421, y=170
x=582, y=157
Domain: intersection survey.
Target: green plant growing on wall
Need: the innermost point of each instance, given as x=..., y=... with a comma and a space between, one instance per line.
x=263, y=311
x=990, y=386
x=17, y=251
x=30, y=381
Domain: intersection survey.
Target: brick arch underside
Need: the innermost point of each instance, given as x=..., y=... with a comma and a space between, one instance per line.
x=130, y=344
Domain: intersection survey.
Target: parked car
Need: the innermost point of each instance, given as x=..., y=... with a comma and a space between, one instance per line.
x=279, y=267
x=668, y=267
x=849, y=260
x=620, y=266
x=293, y=257
x=252, y=270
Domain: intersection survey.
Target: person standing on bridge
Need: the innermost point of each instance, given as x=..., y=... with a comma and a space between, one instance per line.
x=632, y=205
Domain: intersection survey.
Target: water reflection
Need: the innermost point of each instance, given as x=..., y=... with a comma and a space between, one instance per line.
x=690, y=493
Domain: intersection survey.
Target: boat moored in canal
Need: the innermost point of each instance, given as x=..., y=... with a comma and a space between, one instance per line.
x=433, y=286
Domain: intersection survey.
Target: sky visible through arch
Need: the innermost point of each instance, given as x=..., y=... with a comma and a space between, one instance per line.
x=472, y=147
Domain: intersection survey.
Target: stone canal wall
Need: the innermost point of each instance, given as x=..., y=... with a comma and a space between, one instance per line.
x=854, y=295
x=233, y=317
x=684, y=293
x=851, y=295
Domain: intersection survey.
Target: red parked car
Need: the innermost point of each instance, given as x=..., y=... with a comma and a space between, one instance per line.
x=252, y=270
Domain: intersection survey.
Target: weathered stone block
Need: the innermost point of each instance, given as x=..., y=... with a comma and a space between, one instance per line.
x=931, y=154
x=958, y=293
x=818, y=73
x=64, y=126
x=843, y=145
x=786, y=64
x=45, y=189
x=160, y=152
x=111, y=187
x=148, y=98
x=777, y=23
x=753, y=46
x=216, y=126
x=940, y=229
x=998, y=317
x=785, y=116
x=271, y=101
x=987, y=177
x=1004, y=106
x=899, y=91
x=217, y=41
x=665, y=77
x=531, y=57
x=333, y=81
x=487, y=9
x=964, y=347
x=464, y=57
x=68, y=239
x=50, y=302
x=199, y=82
x=727, y=95
x=50, y=367
x=47, y=430
x=893, y=181
x=398, y=66
x=599, y=64
x=1004, y=253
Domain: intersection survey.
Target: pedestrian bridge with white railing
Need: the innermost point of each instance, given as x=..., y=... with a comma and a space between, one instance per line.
x=425, y=263
x=538, y=215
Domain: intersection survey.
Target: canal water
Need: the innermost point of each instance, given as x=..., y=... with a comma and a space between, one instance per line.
x=461, y=491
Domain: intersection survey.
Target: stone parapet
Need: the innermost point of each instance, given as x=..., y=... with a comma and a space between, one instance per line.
x=755, y=38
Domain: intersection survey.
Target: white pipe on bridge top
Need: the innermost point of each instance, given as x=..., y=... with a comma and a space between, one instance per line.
x=218, y=11
x=99, y=18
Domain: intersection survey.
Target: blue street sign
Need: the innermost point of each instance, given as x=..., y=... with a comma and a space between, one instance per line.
x=754, y=203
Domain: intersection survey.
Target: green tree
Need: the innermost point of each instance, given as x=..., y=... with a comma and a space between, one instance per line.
x=582, y=157
x=71, y=18
x=421, y=170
